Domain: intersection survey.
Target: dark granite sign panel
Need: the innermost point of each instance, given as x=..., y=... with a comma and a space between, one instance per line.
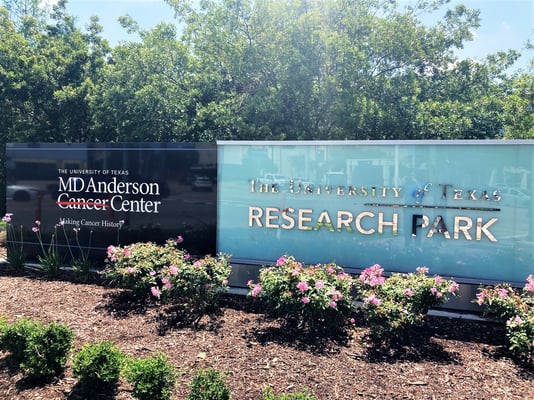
x=108, y=194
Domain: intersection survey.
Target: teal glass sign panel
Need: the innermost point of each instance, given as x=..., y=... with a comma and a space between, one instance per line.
x=461, y=208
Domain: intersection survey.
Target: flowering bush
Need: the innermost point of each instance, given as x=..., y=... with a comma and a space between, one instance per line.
x=504, y=303
x=168, y=273
x=307, y=297
x=391, y=305
x=136, y=266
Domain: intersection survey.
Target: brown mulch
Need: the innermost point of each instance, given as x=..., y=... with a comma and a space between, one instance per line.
x=450, y=359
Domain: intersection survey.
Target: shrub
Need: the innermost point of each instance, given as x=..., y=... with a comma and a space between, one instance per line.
x=47, y=349
x=392, y=305
x=504, y=303
x=199, y=283
x=315, y=297
x=268, y=394
x=501, y=302
x=135, y=266
x=168, y=273
x=14, y=337
x=209, y=385
x=153, y=378
x=520, y=333
x=98, y=366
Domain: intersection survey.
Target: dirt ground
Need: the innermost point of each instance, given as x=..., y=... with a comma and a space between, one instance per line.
x=451, y=358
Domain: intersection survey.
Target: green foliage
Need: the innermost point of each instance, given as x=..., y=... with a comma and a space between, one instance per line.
x=268, y=394
x=135, y=266
x=506, y=304
x=50, y=261
x=98, y=366
x=501, y=301
x=316, y=297
x=209, y=385
x=401, y=301
x=47, y=349
x=153, y=378
x=169, y=273
x=14, y=337
x=520, y=333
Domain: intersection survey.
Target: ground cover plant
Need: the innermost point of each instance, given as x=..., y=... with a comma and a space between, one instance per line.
x=454, y=359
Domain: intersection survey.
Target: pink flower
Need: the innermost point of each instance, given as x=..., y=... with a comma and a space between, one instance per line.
x=481, y=298
x=38, y=223
x=7, y=217
x=35, y=229
x=207, y=285
x=408, y=292
x=152, y=273
x=319, y=284
x=332, y=304
x=256, y=290
x=352, y=321
x=454, y=287
x=166, y=283
x=331, y=270
x=224, y=282
x=126, y=252
x=438, y=279
x=518, y=320
x=302, y=286
x=280, y=261
x=131, y=270
x=372, y=299
x=187, y=256
x=502, y=292
x=179, y=239
x=372, y=276
x=173, y=270
x=422, y=270
x=155, y=292
x=529, y=287
x=197, y=263
x=305, y=300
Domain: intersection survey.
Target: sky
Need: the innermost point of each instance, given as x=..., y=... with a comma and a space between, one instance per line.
x=505, y=24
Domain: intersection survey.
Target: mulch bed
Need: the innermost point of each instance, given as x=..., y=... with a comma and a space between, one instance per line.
x=447, y=359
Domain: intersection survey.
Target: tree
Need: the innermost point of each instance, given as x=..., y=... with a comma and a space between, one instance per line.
x=317, y=69
x=48, y=73
x=142, y=97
